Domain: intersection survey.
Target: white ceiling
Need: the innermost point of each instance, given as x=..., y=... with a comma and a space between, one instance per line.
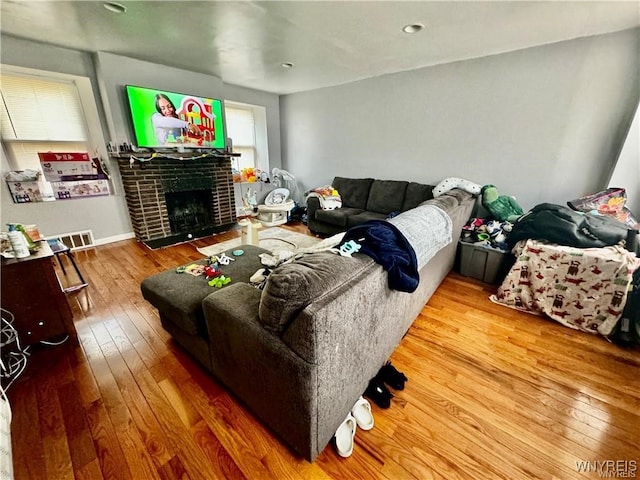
x=245, y=42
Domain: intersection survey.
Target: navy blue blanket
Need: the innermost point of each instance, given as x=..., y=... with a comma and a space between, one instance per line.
x=383, y=242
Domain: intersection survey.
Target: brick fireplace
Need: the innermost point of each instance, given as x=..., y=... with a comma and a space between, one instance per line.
x=173, y=200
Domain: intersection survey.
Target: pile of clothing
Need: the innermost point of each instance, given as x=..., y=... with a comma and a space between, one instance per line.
x=328, y=196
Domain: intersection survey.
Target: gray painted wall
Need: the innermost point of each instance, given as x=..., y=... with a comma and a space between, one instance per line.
x=108, y=216
x=544, y=124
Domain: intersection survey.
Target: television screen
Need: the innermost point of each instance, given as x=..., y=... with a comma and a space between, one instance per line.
x=168, y=119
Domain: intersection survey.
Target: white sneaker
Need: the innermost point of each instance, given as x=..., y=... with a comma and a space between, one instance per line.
x=344, y=436
x=362, y=413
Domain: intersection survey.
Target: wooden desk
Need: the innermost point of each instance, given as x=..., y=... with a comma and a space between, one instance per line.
x=32, y=293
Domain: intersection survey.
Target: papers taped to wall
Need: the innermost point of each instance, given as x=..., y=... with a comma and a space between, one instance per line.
x=81, y=188
x=25, y=192
x=58, y=166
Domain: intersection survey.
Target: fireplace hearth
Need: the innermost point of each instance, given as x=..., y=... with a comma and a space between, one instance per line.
x=172, y=200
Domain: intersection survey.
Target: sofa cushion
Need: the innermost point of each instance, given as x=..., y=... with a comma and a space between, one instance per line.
x=416, y=194
x=354, y=192
x=337, y=217
x=360, y=218
x=293, y=286
x=386, y=196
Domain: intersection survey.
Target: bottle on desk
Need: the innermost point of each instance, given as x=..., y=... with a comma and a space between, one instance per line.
x=18, y=244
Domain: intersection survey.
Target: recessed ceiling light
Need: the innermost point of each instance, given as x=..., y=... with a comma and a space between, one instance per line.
x=287, y=65
x=412, y=28
x=114, y=7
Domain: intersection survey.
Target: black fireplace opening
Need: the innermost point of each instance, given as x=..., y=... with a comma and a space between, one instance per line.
x=189, y=210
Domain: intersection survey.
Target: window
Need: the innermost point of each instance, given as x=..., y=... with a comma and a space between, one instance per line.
x=247, y=129
x=626, y=172
x=242, y=131
x=246, y=126
x=41, y=113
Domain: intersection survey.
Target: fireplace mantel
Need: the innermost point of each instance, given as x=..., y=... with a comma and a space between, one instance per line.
x=146, y=179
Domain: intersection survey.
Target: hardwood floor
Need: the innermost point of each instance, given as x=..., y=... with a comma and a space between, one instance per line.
x=492, y=394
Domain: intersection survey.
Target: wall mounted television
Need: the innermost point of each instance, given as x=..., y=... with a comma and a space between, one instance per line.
x=164, y=119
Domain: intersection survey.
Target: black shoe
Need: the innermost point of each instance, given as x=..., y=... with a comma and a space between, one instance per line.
x=378, y=393
x=392, y=377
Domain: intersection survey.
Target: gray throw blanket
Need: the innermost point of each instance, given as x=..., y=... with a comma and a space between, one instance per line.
x=427, y=228
x=403, y=244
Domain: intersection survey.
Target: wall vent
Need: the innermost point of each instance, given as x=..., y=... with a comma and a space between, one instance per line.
x=76, y=240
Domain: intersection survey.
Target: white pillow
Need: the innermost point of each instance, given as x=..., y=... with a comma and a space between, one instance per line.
x=454, y=182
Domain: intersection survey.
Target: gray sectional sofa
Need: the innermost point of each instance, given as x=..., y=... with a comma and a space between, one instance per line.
x=365, y=199
x=300, y=352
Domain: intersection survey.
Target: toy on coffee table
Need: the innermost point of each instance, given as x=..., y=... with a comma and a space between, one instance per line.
x=220, y=281
x=223, y=259
x=211, y=272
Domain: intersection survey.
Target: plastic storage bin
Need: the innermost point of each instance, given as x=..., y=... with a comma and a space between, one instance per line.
x=487, y=264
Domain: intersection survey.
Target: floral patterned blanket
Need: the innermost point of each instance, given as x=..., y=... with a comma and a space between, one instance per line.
x=582, y=288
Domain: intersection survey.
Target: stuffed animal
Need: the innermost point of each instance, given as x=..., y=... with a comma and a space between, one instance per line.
x=502, y=207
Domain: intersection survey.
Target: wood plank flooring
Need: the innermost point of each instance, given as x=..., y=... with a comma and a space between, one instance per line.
x=492, y=394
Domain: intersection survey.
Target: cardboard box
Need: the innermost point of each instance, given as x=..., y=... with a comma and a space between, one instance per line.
x=79, y=189
x=56, y=165
x=25, y=192
x=484, y=263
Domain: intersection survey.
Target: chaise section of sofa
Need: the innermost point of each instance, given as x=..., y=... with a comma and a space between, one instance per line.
x=365, y=199
x=178, y=298
x=301, y=352
x=272, y=366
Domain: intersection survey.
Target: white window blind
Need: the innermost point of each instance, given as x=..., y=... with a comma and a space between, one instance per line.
x=39, y=114
x=241, y=128
x=35, y=109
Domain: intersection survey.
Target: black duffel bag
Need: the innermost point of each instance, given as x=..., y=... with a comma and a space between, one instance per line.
x=564, y=226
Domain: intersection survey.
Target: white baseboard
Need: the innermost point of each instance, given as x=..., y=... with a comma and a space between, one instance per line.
x=115, y=238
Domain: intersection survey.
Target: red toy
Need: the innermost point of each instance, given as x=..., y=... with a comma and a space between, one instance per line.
x=211, y=272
